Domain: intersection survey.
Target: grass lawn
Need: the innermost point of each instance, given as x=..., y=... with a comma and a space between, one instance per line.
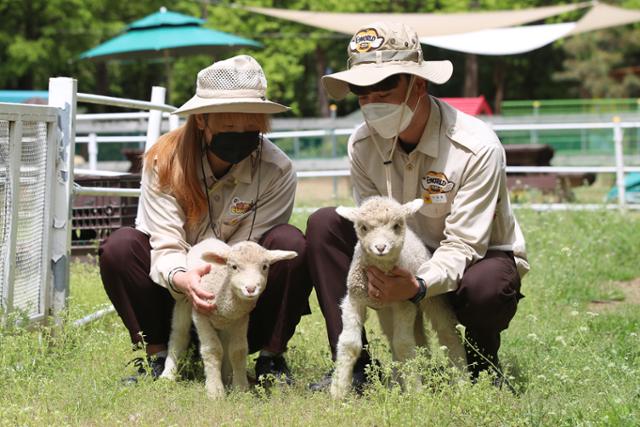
x=572, y=351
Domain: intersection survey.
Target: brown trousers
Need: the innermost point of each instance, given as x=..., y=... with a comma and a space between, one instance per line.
x=485, y=301
x=144, y=306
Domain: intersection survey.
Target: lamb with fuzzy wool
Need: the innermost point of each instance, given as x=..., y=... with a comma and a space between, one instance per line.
x=385, y=241
x=237, y=278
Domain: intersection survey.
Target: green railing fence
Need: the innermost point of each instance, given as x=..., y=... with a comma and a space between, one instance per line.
x=570, y=106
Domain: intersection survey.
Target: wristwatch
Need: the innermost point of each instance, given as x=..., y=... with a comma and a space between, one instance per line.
x=422, y=291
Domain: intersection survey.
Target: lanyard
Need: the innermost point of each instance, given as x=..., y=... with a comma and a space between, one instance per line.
x=387, y=163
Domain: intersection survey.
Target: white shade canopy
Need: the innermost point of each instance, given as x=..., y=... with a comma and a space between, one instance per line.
x=425, y=24
x=604, y=16
x=483, y=32
x=502, y=41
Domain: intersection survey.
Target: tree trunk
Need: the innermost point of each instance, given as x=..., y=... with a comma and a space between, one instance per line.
x=102, y=86
x=471, y=65
x=499, y=72
x=470, y=76
x=204, y=10
x=321, y=65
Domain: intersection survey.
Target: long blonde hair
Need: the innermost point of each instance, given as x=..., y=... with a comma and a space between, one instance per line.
x=177, y=156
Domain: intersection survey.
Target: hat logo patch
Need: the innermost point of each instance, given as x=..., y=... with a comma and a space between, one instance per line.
x=366, y=40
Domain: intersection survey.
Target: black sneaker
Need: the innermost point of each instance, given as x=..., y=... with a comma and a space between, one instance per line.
x=272, y=369
x=152, y=366
x=359, y=381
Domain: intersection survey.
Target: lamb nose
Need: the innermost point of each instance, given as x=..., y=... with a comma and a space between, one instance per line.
x=251, y=289
x=380, y=248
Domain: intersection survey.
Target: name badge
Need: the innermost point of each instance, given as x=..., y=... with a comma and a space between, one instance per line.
x=434, y=198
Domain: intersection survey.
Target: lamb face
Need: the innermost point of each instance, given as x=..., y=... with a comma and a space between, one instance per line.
x=248, y=266
x=380, y=225
x=247, y=280
x=381, y=238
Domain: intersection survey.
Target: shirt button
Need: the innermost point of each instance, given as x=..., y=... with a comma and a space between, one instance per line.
x=216, y=198
x=409, y=166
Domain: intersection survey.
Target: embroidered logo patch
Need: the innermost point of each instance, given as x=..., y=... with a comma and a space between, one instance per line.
x=435, y=186
x=366, y=40
x=239, y=207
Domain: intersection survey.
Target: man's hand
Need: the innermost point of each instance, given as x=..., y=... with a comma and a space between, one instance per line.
x=189, y=284
x=398, y=285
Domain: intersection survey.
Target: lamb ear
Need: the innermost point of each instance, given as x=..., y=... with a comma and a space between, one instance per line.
x=214, y=257
x=413, y=206
x=275, y=255
x=347, y=213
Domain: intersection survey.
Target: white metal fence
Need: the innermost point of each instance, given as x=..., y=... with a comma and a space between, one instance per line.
x=30, y=139
x=37, y=146
x=616, y=126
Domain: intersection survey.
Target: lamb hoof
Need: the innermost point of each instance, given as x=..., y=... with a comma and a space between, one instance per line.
x=337, y=391
x=216, y=393
x=168, y=375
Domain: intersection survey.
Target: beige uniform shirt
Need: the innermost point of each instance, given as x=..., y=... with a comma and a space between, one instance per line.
x=458, y=169
x=232, y=199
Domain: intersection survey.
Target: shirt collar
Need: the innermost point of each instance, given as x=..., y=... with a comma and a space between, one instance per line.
x=430, y=140
x=240, y=172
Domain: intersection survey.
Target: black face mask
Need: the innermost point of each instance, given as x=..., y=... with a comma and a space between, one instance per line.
x=233, y=147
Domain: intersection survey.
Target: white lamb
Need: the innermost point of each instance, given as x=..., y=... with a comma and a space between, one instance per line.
x=385, y=241
x=237, y=278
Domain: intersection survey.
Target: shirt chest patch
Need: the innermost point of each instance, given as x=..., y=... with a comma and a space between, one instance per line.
x=240, y=207
x=435, y=186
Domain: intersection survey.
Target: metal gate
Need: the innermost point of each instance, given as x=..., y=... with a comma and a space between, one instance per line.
x=29, y=135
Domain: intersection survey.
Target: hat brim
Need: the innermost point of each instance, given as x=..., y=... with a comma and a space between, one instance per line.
x=337, y=84
x=198, y=105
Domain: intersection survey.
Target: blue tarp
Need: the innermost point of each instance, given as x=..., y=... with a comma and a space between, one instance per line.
x=20, y=96
x=632, y=189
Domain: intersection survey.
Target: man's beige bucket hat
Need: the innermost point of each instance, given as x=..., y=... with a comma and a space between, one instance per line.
x=380, y=50
x=235, y=85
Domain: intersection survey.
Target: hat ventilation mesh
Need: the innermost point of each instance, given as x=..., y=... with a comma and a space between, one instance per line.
x=231, y=79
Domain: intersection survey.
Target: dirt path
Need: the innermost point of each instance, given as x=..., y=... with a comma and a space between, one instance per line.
x=630, y=290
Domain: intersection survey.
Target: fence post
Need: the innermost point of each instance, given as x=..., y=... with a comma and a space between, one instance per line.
x=174, y=121
x=93, y=151
x=536, y=113
x=617, y=141
x=158, y=94
x=13, y=166
x=63, y=95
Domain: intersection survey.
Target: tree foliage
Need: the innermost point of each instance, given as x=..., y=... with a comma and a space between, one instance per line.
x=603, y=63
x=44, y=38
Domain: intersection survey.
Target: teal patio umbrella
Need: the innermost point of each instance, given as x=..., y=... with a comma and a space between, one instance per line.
x=166, y=34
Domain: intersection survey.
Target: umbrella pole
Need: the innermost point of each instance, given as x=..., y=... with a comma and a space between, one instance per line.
x=167, y=73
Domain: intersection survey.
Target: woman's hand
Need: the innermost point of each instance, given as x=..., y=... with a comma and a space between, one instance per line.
x=397, y=285
x=188, y=282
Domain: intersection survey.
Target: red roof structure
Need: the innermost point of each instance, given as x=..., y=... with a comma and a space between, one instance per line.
x=473, y=106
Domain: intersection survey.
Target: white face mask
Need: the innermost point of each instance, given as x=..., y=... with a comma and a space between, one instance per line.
x=390, y=120
x=385, y=117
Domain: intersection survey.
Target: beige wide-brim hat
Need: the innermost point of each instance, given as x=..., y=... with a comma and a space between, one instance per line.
x=235, y=85
x=380, y=50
